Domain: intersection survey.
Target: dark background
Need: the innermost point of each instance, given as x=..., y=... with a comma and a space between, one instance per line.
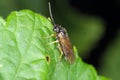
x=110, y=12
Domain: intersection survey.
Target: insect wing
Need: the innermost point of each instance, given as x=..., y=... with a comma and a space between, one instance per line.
x=67, y=49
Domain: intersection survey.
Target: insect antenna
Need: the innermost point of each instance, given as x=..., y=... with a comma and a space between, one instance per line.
x=51, y=14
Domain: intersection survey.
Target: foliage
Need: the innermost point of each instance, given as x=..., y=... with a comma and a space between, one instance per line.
x=24, y=54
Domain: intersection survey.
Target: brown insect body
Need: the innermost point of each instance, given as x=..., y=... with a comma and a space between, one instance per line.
x=63, y=40
x=65, y=43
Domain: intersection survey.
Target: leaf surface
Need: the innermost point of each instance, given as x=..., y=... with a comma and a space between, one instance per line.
x=24, y=54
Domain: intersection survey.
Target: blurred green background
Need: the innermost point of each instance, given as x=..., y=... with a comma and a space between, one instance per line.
x=93, y=27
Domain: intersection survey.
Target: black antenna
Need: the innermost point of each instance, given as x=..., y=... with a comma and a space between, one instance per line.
x=51, y=13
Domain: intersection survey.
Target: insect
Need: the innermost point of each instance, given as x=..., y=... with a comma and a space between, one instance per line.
x=64, y=43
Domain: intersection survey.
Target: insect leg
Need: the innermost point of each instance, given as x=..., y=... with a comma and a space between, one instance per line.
x=50, y=36
x=53, y=42
x=61, y=52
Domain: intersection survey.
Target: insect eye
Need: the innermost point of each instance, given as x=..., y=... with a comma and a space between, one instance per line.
x=56, y=29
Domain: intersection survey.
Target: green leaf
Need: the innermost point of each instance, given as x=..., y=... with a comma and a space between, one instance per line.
x=24, y=54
